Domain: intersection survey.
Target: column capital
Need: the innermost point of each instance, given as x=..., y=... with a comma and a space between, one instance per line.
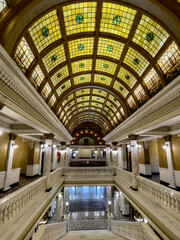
x=48, y=135
x=12, y=136
x=63, y=143
x=114, y=143
x=133, y=136
x=167, y=138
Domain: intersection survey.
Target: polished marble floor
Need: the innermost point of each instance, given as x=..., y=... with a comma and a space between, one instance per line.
x=91, y=235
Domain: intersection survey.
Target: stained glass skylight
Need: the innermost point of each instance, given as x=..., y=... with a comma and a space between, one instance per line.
x=82, y=65
x=127, y=77
x=63, y=87
x=102, y=79
x=60, y=75
x=80, y=17
x=45, y=31
x=105, y=66
x=81, y=47
x=46, y=91
x=120, y=88
x=85, y=78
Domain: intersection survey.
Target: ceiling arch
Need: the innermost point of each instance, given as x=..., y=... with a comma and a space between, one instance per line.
x=85, y=47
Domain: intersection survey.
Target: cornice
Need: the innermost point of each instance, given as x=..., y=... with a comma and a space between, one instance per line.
x=19, y=91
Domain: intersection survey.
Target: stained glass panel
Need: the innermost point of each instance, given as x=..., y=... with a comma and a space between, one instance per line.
x=46, y=91
x=83, y=98
x=152, y=81
x=131, y=102
x=83, y=92
x=37, y=77
x=52, y=100
x=80, y=17
x=45, y=31
x=105, y=66
x=99, y=92
x=136, y=61
x=85, y=78
x=23, y=55
x=81, y=47
x=54, y=58
x=63, y=87
x=102, y=79
x=60, y=75
x=117, y=19
x=114, y=100
x=127, y=77
x=120, y=88
x=150, y=35
x=110, y=48
x=82, y=66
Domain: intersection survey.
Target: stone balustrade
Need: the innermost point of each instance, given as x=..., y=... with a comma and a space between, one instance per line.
x=124, y=175
x=96, y=171
x=168, y=198
x=55, y=176
x=132, y=230
x=15, y=202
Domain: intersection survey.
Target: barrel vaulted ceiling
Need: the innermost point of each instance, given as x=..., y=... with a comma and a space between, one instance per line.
x=96, y=61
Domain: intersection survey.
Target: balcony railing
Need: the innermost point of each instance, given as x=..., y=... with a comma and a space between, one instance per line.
x=96, y=171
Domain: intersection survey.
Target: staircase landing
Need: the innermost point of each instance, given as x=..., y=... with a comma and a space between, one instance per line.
x=92, y=235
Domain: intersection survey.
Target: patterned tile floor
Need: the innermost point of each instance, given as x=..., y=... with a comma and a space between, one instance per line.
x=91, y=235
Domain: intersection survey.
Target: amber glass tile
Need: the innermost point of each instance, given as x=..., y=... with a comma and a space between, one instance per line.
x=131, y=102
x=37, y=77
x=46, y=91
x=150, y=35
x=127, y=77
x=139, y=92
x=60, y=75
x=81, y=92
x=82, y=65
x=63, y=87
x=120, y=88
x=98, y=78
x=84, y=78
x=81, y=47
x=152, y=80
x=45, y=31
x=114, y=100
x=52, y=100
x=117, y=19
x=105, y=66
x=80, y=17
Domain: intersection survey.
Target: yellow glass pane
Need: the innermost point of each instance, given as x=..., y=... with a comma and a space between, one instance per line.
x=105, y=66
x=54, y=58
x=81, y=99
x=82, y=65
x=23, y=55
x=98, y=99
x=69, y=105
x=95, y=104
x=83, y=104
x=63, y=87
x=60, y=75
x=139, y=92
x=37, y=77
x=85, y=91
x=170, y=59
x=127, y=77
x=122, y=111
x=120, y=88
x=80, y=17
x=83, y=109
x=114, y=100
x=110, y=111
x=150, y=35
x=99, y=92
x=102, y=79
x=117, y=19
x=81, y=47
x=68, y=98
x=136, y=61
x=85, y=78
x=45, y=31
x=95, y=109
x=46, y=91
x=52, y=100
x=131, y=102
x=110, y=48
x=119, y=116
x=111, y=106
x=152, y=80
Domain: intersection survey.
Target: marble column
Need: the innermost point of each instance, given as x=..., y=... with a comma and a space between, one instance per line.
x=108, y=195
x=135, y=160
x=60, y=207
x=108, y=160
x=66, y=199
x=96, y=154
x=67, y=156
x=47, y=159
x=144, y=159
x=116, y=205
x=54, y=158
x=9, y=161
x=40, y=157
x=124, y=204
x=170, y=161
x=120, y=160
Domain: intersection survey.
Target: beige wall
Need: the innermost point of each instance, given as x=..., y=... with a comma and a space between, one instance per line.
x=176, y=151
x=21, y=153
x=36, y=152
x=4, y=140
x=154, y=156
x=84, y=153
x=143, y=154
x=162, y=153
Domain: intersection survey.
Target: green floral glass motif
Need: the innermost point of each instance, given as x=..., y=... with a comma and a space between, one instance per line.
x=103, y=79
x=82, y=98
x=82, y=91
x=59, y=75
x=81, y=65
x=80, y=47
x=45, y=31
x=79, y=18
x=116, y=20
x=82, y=103
x=69, y=105
x=105, y=66
x=95, y=108
x=98, y=98
x=81, y=78
x=110, y=48
x=67, y=98
x=121, y=88
x=97, y=104
x=127, y=77
x=63, y=86
x=115, y=99
x=136, y=61
x=108, y=110
x=99, y=91
x=112, y=106
x=150, y=36
x=82, y=108
x=53, y=58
